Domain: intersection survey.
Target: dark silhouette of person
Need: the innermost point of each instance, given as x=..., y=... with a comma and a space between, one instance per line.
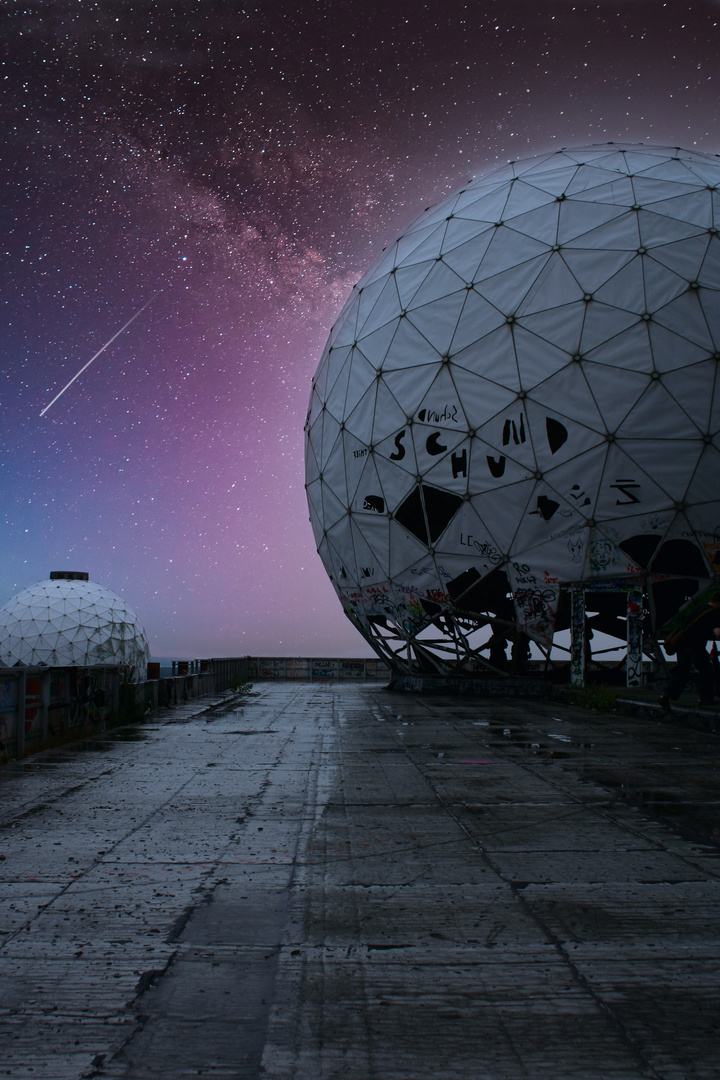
x=520, y=652
x=691, y=648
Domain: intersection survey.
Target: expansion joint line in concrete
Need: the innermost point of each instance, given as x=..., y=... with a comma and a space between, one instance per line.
x=552, y=938
x=205, y=893
x=600, y=811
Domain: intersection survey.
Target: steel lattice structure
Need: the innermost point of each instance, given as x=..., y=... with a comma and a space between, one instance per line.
x=521, y=395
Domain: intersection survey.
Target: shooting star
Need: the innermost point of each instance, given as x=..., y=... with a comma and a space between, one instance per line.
x=102, y=350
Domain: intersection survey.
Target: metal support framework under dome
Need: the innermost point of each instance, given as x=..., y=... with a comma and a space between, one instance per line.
x=453, y=646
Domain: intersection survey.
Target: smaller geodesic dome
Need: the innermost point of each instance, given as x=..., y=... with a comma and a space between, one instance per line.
x=71, y=621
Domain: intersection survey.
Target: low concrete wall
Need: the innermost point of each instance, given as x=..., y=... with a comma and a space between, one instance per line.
x=316, y=669
x=42, y=707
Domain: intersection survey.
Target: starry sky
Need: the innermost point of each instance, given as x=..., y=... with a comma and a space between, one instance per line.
x=236, y=167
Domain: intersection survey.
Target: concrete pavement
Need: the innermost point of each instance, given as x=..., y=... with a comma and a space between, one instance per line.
x=335, y=881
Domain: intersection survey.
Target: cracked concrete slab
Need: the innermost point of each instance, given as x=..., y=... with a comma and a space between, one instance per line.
x=331, y=880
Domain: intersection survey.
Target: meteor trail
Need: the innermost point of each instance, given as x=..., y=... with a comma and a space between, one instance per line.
x=105, y=346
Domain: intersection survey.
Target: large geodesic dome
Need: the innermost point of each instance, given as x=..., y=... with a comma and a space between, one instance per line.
x=70, y=621
x=521, y=396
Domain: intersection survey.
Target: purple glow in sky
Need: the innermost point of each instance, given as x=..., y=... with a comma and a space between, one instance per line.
x=244, y=164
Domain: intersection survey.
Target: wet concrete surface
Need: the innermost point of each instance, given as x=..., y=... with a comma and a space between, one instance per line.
x=335, y=881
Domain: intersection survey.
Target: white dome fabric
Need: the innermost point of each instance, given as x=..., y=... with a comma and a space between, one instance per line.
x=77, y=623
x=525, y=384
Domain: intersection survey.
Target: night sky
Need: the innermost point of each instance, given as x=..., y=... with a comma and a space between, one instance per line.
x=240, y=166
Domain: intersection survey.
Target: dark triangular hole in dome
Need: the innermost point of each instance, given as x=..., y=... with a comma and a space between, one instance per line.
x=440, y=507
x=679, y=557
x=429, y=522
x=410, y=515
x=641, y=548
x=478, y=595
x=462, y=583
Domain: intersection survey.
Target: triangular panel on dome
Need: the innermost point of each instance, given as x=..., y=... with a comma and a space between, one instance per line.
x=591, y=180
x=710, y=306
x=471, y=540
x=537, y=358
x=524, y=198
x=508, y=442
x=704, y=485
x=440, y=407
x=410, y=384
x=369, y=496
x=464, y=258
x=686, y=317
x=362, y=376
x=482, y=399
x=583, y=224
x=508, y=289
x=333, y=363
x=658, y=230
x=375, y=346
x=548, y=176
x=691, y=205
x=661, y=285
x=560, y=325
x=604, y=558
x=343, y=331
x=657, y=413
x=331, y=508
x=502, y=509
x=449, y=470
x=488, y=206
x=343, y=475
x=553, y=287
x=476, y=320
x=371, y=539
x=567, y=396
x=602, y=383
x=405, y=551
x=359, y=419
x=388, y=417
x=671, y=351
x=709, y=274
x=683, y=257
x=417, y=246
x=616, y=338
x=384, y=310
x=368, y=296
x=540, y=224
x=441, y=283
x=556, y=438
x=336, y=398
x=616, y=190
x=339, y=537
x=463, y=233
x=410, y=349
x=590, y=269
x=397, y=450
x=509, y=249
x=692, y=388
x=329, y=431
x=646, y=475
x=536, y=605
x=395, y=480
x=408, y=280
x=549, y=565
x=436, y=321
x=646, y=159
x=551, y=514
